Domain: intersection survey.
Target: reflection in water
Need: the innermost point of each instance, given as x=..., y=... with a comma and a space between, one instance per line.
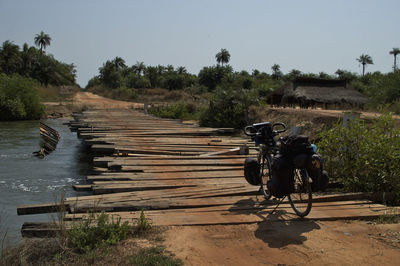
x=25, y=179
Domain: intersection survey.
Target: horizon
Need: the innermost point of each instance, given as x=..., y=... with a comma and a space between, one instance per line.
x=312, y=36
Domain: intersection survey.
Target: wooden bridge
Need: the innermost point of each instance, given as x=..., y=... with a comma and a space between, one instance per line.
x=179, y=173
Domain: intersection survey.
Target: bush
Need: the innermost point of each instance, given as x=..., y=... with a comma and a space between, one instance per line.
x=228, y=108
x=19, y=98
x=95, y=231
x=364, y=156
x=179, y=110
x=154, y=256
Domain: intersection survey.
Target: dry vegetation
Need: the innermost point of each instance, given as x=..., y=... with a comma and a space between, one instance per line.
x=143, y=246
x=55, y=93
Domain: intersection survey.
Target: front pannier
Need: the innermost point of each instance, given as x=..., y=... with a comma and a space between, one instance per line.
x=252, y=171
x=281, y=182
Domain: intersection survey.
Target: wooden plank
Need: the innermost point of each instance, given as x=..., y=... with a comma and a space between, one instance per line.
x=182, y=162
x=41, y=208
x=227, y=214
x=224, y=215
x=184, y=168
x=171, y=175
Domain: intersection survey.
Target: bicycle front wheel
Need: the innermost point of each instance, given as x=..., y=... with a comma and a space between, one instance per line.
x=300, y=197
x=265, y=175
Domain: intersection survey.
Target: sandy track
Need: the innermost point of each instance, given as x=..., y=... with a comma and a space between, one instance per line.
x=291, y=243
x=93, y=101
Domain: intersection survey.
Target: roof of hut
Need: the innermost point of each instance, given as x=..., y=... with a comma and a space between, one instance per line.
x=319, y=90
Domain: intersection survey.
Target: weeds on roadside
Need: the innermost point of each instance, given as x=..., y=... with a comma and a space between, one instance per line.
x=390, y=217
x=143, y=224
x=154, y=256
x=97, y=230
x=89, y=241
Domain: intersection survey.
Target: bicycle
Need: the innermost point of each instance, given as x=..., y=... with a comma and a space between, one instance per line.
x=300, y=195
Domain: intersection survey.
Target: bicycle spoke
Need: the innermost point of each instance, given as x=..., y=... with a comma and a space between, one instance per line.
x=300, y=198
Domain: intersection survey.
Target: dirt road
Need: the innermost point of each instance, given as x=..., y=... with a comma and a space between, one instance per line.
x=84, y=101
x=291, y=243
x=93, y=101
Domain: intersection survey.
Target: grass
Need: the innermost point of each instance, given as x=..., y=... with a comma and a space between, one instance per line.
x=154, y=256
x=98, y=230
x=391, y=217
x=100, y=239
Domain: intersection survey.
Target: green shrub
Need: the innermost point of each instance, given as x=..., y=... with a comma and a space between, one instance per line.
x=98, y=230
x=228, y=108
x=364, y=156
x=19, y=98
x=180, y=110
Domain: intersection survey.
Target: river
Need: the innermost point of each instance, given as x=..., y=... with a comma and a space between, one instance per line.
x=26, y=179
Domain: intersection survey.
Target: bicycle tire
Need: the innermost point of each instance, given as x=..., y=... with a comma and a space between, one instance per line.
x=300, y=197
x=265, y=175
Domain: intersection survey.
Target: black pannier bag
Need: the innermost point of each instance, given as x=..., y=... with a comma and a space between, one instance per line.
x=281, y=182
x=295, y=145
x=265, y=136
x=252, y=171
x=315, y=169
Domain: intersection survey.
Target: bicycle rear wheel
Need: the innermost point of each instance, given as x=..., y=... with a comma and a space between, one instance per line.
x=265, y=174
x=301, y=197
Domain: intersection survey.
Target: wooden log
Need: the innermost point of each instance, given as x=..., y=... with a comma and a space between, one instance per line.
x=82, y=187
x=42, y=208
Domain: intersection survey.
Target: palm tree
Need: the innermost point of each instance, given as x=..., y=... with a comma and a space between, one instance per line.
x=27, y=58
x=170, y=68
x=181, y=70
x=365, y=59
x=42, y=40
x=139, y=67
x=161, y=70
x=223, y=56
x=276, y=71
x=395, y=52
x=119, y=63
x=9, y=56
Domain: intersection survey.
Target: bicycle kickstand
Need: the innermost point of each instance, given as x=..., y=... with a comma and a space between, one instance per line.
x=277, y=205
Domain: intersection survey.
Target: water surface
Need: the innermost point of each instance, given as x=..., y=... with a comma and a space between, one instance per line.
x=25, y=179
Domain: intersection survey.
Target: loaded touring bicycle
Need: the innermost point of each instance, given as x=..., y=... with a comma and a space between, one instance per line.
x=287, y=167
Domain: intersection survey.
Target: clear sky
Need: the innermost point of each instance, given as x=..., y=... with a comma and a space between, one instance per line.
x=309, y=35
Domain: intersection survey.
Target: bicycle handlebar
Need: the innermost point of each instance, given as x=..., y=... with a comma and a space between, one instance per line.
x=248, y=133
x=251, y=131
x=281, y=130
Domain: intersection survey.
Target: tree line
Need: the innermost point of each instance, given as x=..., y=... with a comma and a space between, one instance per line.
x=31, y=62
x=116, y=74
x=22, y=70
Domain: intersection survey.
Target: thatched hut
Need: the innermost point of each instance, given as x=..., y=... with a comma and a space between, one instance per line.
x=313, y=92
